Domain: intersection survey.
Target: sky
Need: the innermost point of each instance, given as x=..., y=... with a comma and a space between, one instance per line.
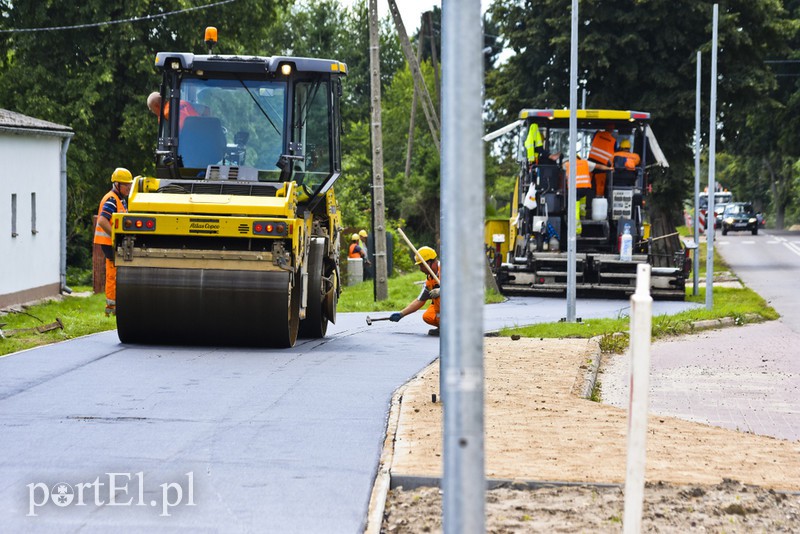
x=410, y=10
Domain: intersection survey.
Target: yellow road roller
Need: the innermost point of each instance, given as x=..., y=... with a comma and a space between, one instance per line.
x=235, y=240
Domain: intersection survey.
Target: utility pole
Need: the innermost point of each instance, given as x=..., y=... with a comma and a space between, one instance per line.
x=410, y=149
x=434, y=58
x=416, y=73
x=378, y=211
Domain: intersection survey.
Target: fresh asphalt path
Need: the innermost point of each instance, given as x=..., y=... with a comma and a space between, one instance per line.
x=265, y=440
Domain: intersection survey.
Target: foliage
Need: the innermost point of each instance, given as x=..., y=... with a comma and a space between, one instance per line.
x=96, y=80
x=637, y=55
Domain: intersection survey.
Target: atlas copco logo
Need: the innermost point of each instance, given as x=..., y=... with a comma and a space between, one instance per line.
x=116, y=489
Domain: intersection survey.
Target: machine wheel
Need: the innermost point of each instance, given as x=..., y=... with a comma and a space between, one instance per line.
x=207, y=307
x=293, y=323
x=755, y=230
x=315, y=325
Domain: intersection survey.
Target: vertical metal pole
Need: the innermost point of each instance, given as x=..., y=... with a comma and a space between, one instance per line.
x=712, y=155
x=573, y=164
x=696, y=219
x=378, y=213
x=464, y=485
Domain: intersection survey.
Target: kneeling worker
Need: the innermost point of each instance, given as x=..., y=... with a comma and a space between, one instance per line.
x=429, y=292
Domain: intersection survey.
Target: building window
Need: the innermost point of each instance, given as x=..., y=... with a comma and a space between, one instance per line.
x=33, y=214
x=13, y=215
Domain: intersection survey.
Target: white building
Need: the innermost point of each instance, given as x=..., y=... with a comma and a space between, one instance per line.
x=33, y=207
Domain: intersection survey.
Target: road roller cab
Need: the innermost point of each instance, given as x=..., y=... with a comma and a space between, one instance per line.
x=235, y=239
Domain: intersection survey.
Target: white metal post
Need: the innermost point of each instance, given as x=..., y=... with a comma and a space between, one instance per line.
x=696, y=219
x=463, y=259
x=641, y=319
x=573, y=165
x=712, y=156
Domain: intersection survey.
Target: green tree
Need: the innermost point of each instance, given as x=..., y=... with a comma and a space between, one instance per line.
x=96, y=79
x=636, y=55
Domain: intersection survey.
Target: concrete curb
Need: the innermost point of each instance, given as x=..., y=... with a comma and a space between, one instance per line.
x=590, y=374
x=383, y=479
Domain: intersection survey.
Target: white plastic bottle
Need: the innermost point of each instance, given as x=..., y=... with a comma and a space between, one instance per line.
x=626, y=244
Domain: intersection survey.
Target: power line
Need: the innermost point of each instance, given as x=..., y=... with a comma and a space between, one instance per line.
x=122, y=21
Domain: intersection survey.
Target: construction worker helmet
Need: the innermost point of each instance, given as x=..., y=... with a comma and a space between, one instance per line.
x=625, y=144
x=424, y=254
x=354, y=237
x=363, y=233
x=121, y=176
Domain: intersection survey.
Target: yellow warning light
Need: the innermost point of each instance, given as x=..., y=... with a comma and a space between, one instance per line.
x=211, y=35
x=286, y=69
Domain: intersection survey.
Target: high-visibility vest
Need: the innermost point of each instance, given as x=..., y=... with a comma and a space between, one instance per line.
x=430, y=283
x=627, y=160
x=101, y=237
x=584, y=177
x=602, y=150
x=533, y=142
x=353, y=253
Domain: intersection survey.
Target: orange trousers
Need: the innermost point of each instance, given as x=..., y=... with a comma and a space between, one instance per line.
x=111, y=280
x=431, y=316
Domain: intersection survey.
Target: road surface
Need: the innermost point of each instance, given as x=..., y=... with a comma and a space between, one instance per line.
x=769, y=264
x=206, y=439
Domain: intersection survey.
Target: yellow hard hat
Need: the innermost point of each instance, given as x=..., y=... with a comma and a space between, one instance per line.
x=121, y=176
x=425, y=254
x=625, y=144
x=354, y=237
x=363, y=233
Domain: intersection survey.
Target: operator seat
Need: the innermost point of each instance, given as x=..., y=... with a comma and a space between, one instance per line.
x=201, y=142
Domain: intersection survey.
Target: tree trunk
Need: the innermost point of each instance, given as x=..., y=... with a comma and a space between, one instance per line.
x=663, y=250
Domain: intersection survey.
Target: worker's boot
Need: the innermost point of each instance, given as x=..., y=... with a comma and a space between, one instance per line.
x=433, y=332
x=111, y=308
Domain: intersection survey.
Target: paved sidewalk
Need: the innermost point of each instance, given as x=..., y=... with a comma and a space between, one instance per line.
x=742, y=378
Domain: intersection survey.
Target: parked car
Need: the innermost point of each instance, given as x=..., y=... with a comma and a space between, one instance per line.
x=739, y=217
x=719, y=209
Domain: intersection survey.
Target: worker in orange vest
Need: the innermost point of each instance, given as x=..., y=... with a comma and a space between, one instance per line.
x=430, y=292
x=355, y=250
x=624, y=158
x=115, y=201
x=602, y=152
x=583, y=185
x=186, y=109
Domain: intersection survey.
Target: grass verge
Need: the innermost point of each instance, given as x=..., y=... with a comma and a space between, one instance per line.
x=80, y=316
x=402, y=290
x=742, y=304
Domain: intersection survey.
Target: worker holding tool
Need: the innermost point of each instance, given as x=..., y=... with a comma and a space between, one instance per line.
x=115, y=201
x=428, y=264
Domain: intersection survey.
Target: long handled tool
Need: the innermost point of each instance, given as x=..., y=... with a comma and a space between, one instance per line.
x=416, y=254
x=370, y=320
